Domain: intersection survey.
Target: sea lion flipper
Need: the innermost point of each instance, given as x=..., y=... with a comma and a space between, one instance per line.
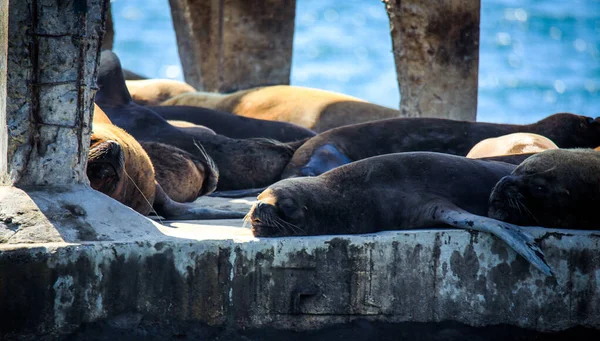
x=170, y=209
x=515, y=236
x=323, y=159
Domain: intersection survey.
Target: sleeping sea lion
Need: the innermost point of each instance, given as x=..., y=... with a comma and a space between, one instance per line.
x=191, y=127
x=351, y=143
x=234, y=126
x=517, y=143
x=315, y=109
x=391, y=192
x=556, y=188
x=132, y=76
x=119, y=167
x=242, y=163
x=155, y=91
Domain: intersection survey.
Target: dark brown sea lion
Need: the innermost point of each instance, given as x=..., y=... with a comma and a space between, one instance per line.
x=390, y=192
x=555, y=188
x=119, y=167
x=315, y=109
x=234, y=126
x=191, y=127
x=517, y=143
x=351, y=143
x=242, y=163
x=132, y=76
x=155, y=91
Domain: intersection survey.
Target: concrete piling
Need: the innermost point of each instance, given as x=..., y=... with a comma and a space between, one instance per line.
x=436, y=49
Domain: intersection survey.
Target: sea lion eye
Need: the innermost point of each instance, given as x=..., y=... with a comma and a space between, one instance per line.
x=289, y=209
x=590, y=120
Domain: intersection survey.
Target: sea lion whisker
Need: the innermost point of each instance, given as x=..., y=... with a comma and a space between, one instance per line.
x=143, y=196
x=293, y=226
x=519, y=200
x=209, y=160
x=515, y=204
x=248, y=218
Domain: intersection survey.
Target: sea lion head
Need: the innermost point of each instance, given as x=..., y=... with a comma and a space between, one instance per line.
x=556, y=189
x=579, y=131
x=106, y=167
x=293, y=207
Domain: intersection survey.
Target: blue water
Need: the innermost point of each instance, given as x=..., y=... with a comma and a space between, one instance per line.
x=537, y=57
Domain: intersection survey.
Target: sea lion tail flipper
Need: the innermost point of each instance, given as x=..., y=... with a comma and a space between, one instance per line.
x=238, y=193
x=170, y=209
x=515, y=236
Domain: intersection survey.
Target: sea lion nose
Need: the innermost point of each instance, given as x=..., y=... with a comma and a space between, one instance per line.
x=508, y=183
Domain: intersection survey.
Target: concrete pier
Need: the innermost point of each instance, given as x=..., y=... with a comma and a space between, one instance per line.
x=214, y=274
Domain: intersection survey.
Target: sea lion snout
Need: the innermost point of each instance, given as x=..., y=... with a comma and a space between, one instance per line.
x=503, y=197
x=261, y=218
x=271, y=217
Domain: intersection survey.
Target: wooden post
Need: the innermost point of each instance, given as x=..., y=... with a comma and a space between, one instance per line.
x=436, y=48
x=53, y=49
x=229, y=45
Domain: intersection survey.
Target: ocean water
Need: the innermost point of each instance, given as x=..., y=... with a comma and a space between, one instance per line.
x=537, y=57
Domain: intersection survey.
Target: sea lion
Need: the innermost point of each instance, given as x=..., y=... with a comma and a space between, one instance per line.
x=119, y=167
x=235, y=126
x=155, y=91
x=242, y=163
x=191, y=127
x=517, y=143
x=351, y=143
x=179, y=174
x=132, y=76
x=314, y=109
x=390, y=192
x=556, y=188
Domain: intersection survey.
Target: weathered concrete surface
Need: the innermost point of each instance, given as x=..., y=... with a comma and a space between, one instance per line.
x=238, y=205
x=52, y=52
x=298, y=283
x=230, y=45
x=108, y=39
x=3, y=72
x=68, y=214
x=436, y=49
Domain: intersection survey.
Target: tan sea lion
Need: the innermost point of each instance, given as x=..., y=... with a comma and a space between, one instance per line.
x=355, y=142
x=315, y=109
x=391, y=192
x=517, y=143
x=556, y=188
x=119, y=167
x=155, y=91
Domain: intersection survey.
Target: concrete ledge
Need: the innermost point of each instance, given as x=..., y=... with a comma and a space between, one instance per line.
x=300, y=283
